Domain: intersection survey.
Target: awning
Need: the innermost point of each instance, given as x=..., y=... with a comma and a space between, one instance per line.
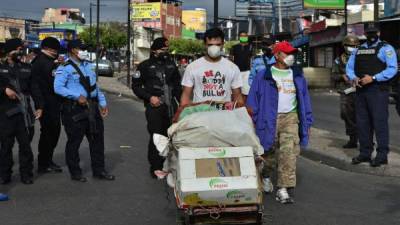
x=300, y=41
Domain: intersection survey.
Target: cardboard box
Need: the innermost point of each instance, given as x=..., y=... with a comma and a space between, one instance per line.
x=217, y=176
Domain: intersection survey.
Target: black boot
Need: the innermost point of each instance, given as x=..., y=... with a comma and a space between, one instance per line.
x=352, y=143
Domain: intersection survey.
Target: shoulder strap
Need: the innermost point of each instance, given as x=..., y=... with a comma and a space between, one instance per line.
x=265, y=61
x=82, y=79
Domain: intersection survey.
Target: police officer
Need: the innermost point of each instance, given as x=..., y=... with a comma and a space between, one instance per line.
x=347, y=96
x=156, y=79
x=16, y=114
x=370, y=67
x=43, y=69
x=83, y=109
x=267, y=58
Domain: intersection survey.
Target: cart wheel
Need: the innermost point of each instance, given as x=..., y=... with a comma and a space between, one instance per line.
x=180, y=217
x=189, y=220
x=260, y=218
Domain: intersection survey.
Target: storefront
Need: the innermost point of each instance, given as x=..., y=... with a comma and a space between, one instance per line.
x=325, y=46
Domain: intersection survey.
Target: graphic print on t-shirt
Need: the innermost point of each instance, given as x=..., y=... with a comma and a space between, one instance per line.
x=287, y=101
x=213, y=84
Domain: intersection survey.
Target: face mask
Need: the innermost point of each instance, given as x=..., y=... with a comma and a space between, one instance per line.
x=372, y=37
x=244, y=39
x=214, y=51
x=163, y=55
x=16, y=57
x=83, y=55
x=349, y=50
x=267, y=52
x=289, y=60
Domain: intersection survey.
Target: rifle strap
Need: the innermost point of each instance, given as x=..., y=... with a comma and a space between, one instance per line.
x=84, y=81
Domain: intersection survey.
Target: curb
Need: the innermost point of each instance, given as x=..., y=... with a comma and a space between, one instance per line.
x=363, y=168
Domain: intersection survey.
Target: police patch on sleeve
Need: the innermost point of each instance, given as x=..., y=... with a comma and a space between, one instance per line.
x=136, y=74
x=389, y=53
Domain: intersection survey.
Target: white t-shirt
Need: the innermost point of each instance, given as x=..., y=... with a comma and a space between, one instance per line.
x=212, y=81
x=286, y=88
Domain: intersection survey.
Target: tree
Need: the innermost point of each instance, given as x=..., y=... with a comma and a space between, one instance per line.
x=229, y=45
x=186, y=47
x=112, y=35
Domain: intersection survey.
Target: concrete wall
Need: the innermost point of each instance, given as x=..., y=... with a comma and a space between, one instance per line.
x=318, y=77
x=11, y=28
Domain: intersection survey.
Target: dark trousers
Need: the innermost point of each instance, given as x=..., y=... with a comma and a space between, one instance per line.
x=12, y=128
x=372, y=117
x=157, y=123
x=348, y=113
x=50, y=128
x=76, y=131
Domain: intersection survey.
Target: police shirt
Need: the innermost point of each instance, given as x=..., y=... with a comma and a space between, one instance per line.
x=67, y=85
x=386, y=54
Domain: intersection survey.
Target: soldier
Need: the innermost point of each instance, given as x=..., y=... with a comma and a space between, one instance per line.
x=157, y=83
x=16, y=115
x=370, y=67
x=43, y=69
x=75, y=81
x=347, y=99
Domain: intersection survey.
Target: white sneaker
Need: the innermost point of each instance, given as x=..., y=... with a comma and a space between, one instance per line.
x=267, y=185
x=283, y=196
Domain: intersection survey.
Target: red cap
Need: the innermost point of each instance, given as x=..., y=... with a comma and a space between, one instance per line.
x=284, y=47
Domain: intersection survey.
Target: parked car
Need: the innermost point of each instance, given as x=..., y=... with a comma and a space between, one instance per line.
x=105, y=68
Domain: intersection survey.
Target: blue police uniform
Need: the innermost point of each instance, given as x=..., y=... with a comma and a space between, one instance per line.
x=380, y=61
x=68, y=86
x=258, y=65
x=80, y=121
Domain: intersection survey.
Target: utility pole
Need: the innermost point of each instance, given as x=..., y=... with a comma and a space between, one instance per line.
x=345, y=17
x=215, y=13
x=90, y=27
x=376, y=10
x=97, y=37
x=128, y=44
x=280, y=15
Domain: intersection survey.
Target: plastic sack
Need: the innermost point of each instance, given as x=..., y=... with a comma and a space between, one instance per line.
x=216, y=129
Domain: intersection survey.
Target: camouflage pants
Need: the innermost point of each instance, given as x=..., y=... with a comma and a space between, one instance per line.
x=348, y=113
x=283, y=156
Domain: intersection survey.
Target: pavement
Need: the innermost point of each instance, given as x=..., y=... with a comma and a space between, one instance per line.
x=324, y=195
x=327, y=136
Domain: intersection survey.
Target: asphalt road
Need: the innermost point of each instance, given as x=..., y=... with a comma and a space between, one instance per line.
x=326, y=109
x=325, y=196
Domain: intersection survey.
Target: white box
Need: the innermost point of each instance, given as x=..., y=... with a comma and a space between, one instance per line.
x=212, y=189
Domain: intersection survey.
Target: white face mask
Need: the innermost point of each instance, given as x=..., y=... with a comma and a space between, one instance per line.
x=214, y=51
x=83, y=55
x=289, y=60
x=350, y=49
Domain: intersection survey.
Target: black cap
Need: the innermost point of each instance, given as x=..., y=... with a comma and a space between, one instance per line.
x=51, y=42
x=13, y=44
x=76, y=44
x=371, y=27
x=159, y=43
x=268, y=41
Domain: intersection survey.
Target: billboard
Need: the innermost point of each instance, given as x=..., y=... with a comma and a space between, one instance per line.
x=324, y=4
x=146, y=11
x=195, y=20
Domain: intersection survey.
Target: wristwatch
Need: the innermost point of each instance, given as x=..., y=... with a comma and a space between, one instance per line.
x=374, y=78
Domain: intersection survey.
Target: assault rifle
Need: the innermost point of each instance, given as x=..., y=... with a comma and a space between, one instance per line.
x=23, y=104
